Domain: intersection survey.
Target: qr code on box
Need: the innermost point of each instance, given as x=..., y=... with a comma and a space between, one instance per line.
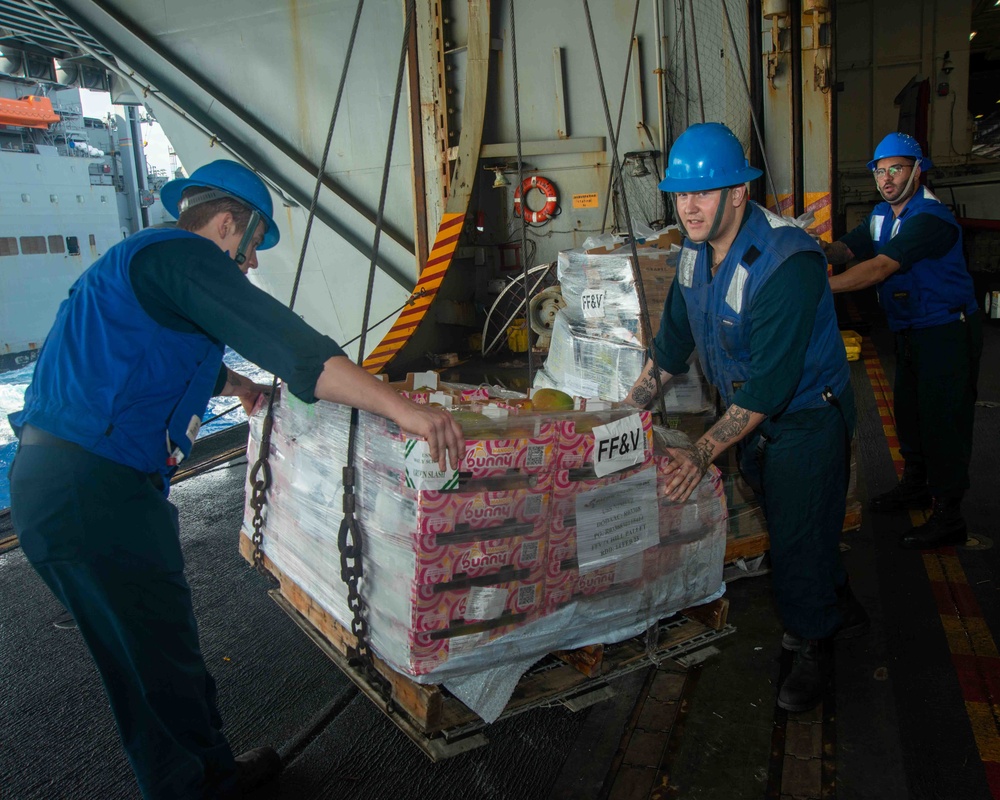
x=535, y=457
x=533, y=505
x=526, y=596
x=529, y=552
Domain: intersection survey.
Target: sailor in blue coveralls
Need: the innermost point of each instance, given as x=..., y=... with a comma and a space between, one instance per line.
x=117, y=396
x=911, y=250
x=751, y=294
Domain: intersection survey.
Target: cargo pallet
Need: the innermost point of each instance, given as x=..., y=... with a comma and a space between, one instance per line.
x=441, y=725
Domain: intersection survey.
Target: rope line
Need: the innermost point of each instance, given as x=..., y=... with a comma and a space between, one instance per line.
x=617, y=171
x=621, y=108
x=520, y=182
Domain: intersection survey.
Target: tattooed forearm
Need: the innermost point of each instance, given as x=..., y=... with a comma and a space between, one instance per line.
x=643, y=391
x=703, y=453
x=730, y=428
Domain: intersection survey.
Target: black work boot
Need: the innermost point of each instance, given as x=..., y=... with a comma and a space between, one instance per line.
x=945, y=527
x=910, y=492
x=803, y=688
x=254, y=769
x=856, y=620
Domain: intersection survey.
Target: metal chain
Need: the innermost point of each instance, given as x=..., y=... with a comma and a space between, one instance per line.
x=350, y=538
x=260, y=482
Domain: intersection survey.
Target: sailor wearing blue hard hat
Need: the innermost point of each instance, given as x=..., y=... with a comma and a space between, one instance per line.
x=910, y=249
x=115, y=403
x=221, y=180
x=751, y=295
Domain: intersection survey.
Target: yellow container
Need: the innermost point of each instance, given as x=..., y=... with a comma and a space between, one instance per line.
x=517, y=336
x=852, y=344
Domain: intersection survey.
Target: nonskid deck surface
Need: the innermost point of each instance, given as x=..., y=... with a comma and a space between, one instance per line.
x=912, y=716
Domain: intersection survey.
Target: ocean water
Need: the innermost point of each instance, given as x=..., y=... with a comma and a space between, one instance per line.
x=222, y=413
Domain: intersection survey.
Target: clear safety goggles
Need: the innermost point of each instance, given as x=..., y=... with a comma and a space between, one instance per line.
x=893, y=171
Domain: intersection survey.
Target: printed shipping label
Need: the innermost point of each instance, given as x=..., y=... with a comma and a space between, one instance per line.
x=422, y=472
x=619, y=445
x=592, y=303
x=616, y=521
x=485, y=602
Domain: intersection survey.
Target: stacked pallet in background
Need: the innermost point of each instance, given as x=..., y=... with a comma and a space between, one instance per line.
x=747, y=528
x=553, y=535
x=598, y=345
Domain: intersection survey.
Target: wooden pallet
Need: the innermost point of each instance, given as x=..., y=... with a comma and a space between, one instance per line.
x=440, y=724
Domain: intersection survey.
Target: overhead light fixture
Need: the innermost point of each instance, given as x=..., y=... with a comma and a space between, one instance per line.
x=979, y=116
x=973, y=35
x=500, y=180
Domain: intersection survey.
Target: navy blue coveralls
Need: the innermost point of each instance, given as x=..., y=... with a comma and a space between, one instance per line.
x=765, y=323
x=930, y=305
x=115, y=391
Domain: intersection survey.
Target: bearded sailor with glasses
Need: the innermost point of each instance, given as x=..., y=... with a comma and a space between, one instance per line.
x=910, y=249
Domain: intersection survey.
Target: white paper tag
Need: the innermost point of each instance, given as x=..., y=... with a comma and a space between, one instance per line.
x=441, y=398
x=616, y=521
x=422, y=472
x=619, y=445
x=427, y=380
x=485, y=602
x=592, y=303
x=495, y=412
x=193, y=427
x=467, y=642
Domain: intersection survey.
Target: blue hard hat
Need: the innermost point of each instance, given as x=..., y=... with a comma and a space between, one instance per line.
x=233, y=179
x=900, y=144
x=707, y=156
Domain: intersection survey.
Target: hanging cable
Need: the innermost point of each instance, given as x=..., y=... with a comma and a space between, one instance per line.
x=617, y=171
x=520, y=182
x=621, y=106
x=753, y=115
x=697, y=62
x=350, y=538
x=260, y=474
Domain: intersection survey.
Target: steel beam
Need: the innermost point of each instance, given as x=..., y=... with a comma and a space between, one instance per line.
x=183, y=86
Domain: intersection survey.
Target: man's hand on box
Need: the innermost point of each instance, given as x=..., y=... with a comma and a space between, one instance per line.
x=443, y=434
x=685, y=470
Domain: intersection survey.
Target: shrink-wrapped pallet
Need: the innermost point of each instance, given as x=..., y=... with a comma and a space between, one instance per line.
x=598, y=346
x=504, y=560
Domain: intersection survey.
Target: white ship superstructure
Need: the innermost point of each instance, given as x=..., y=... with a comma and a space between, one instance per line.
x=59, y=209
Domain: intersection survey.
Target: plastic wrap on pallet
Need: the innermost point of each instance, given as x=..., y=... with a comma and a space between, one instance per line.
x=588, y=365
x=508, y=558
x=581, y=363
x=599, y=286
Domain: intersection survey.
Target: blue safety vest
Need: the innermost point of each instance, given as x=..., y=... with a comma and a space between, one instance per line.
x=933, y=291
x=718, y=309
x=114, y=381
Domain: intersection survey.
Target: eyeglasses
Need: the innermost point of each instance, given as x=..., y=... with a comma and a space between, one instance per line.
x=893, y=171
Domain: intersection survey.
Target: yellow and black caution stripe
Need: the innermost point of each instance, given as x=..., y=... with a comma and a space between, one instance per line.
x=422, y=296
x=973, y=651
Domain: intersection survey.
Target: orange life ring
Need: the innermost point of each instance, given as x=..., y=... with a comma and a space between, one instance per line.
x=547, y=188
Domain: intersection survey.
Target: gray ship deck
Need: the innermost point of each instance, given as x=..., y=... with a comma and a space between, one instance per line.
x=912, y=714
